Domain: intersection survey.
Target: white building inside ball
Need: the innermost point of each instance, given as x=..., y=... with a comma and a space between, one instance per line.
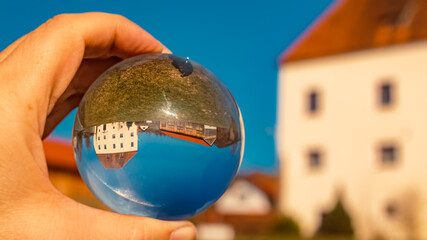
x=116, y=143
x=352, y=119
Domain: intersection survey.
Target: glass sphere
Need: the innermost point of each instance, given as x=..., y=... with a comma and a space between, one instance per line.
x=158, y=135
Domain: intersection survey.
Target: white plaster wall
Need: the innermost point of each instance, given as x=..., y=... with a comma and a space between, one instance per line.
x=123, y=135
x=349, y=129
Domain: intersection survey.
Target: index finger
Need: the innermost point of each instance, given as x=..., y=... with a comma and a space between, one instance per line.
x=44, y=63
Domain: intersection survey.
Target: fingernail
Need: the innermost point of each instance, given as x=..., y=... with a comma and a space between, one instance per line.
x=166, y=50
x=162, y=48
x=159, y=48
x=185, y=233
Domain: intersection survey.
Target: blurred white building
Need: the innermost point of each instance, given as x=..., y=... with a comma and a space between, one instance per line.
x=246, y=208
x=352, y=119
x=245, y=199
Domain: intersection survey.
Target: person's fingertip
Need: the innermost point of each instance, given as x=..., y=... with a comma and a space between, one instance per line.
x=166, y=50
x=185, y=233
x=159, y=48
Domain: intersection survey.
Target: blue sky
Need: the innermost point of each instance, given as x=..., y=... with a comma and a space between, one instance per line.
x=239, y=41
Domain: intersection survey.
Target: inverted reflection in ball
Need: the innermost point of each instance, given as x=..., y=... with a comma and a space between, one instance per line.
x=159, y=136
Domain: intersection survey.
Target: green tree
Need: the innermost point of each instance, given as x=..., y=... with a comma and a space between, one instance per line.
x=336, y=222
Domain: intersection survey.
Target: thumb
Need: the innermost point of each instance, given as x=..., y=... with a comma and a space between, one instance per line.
x=108, y=225
x=117, y=226
x=55, y=216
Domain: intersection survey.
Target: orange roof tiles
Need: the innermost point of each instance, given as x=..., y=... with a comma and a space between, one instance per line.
x=115, y=160
x=352, y=25
x=186, y=138
x=59, y=154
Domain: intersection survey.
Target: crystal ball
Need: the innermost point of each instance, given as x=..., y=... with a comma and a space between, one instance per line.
x=158, y=135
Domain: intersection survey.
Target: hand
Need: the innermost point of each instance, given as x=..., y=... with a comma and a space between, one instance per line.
x=43, y=76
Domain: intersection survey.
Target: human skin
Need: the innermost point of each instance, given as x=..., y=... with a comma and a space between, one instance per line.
x=43, y=76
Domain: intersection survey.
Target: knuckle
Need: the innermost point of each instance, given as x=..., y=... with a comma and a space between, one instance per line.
x=58, y=21
x=119, y=17
x=59, y=18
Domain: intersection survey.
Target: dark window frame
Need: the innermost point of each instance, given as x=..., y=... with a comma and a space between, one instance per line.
x=392, y=210
x=315, y=158
x=386, y=94
x=313, y=102
x=389, y=154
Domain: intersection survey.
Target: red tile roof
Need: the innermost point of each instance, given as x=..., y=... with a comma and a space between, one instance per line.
x=185, y=137
x=353, y=25
x=59, y=154
x=115, y=160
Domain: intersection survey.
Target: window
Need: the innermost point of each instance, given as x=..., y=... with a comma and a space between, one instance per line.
x=104, y=127
x=386, y=94
x=121, y=135
x=314, y=159
x=99, y=147
x=98, y=138
x=105, y=137
x=199, y=129
x=389, y=155
x=131, y=144
x=105, y=146
x=114, y=136
x=121, y=145
x=313, y=102
x=391, y=210
x=131, y=134
x=114, y=146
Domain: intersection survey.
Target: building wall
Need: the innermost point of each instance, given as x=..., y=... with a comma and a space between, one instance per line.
x=349, y=129
x=115, y=138
x=192, y=129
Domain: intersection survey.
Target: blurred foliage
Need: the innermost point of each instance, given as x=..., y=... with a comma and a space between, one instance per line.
x=287, y=228
x=336, y=221
x=286, y=225
x=293, y=237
